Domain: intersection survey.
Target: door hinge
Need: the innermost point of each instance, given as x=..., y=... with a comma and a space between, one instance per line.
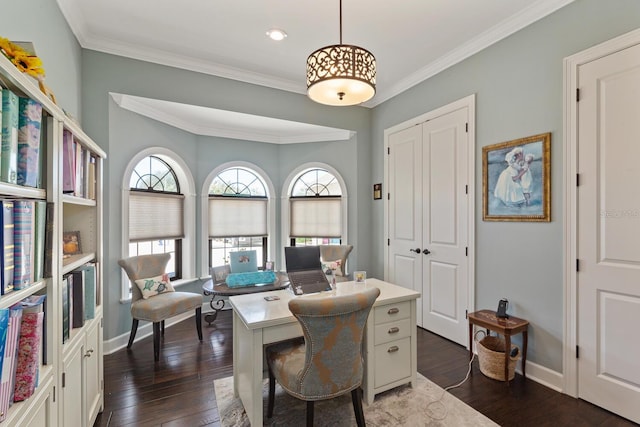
x=388, y=150
x=388, y=196
x=388, y=242
x=577, y=180
x=63, y=379
x=466, y=314
x=577, y=265
x=466, y=127
x=577, y=95
x=466, y=189
x=577, y=352
x=54, y=393
x=466, y=251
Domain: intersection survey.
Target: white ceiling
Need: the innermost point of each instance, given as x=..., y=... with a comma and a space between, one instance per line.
x=411, y=39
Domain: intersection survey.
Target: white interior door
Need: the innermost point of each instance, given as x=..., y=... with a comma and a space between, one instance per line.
x=428, y=216
x=608, y=280
x=444, y=216
x=404, y=264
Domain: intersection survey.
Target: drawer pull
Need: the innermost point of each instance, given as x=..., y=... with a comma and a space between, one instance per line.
x=393, y=310
x=394, y=330
x=393, y=349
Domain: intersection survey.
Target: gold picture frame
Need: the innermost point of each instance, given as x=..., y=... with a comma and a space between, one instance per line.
x=516, y=180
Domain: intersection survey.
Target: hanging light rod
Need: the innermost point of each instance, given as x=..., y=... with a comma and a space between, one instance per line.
x=341, y=74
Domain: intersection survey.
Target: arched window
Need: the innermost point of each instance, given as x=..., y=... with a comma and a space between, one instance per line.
x=315, y=209
x=156, y=212
x=238, y=205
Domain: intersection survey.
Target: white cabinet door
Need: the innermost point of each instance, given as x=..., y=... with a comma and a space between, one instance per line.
x=72, y=396
x=93, y=372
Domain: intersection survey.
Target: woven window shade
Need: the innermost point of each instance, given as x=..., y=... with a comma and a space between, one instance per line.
x=155, y=216
x=237, y=217
x=316, y=217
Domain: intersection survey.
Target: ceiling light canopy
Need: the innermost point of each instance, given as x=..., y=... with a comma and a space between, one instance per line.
x=341, y=74
x=276, y=34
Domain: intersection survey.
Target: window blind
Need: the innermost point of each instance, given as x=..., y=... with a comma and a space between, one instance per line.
x=316, y=217
x=155, y=216
x=237, y=217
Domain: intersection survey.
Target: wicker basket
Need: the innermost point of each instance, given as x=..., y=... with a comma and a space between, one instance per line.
x=491, y=357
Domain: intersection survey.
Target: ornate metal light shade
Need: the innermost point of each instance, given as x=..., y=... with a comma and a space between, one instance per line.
x=341, y=75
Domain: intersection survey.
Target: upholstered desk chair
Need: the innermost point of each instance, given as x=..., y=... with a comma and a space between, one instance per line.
x=160, y=306
x=339, y=255
x=328, y=363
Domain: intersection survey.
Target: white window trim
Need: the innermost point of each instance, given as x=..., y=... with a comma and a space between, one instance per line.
x=286, y=194
x=187, y=187
x=204, y=205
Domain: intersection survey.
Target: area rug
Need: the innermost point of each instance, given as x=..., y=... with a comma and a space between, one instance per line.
x=422, y=405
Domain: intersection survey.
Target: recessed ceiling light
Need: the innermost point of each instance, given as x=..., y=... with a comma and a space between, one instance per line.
x=276, y=34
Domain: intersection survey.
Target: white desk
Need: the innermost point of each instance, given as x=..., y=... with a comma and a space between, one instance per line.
x=390, y=355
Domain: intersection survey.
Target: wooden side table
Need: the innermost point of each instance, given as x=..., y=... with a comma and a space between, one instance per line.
x=507, y=327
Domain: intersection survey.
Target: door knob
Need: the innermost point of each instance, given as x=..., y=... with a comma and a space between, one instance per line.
x=426, y=251
x=416, y=250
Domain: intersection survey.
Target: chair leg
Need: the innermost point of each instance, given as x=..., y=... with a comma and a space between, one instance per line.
x=199, y=322
x=132, y=335
x=162, y=327
x=156, y=341
x=272, y=393
x=356, y=397
x=310, y=413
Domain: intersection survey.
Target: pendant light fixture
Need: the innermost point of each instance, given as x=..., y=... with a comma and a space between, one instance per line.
x=341, y=74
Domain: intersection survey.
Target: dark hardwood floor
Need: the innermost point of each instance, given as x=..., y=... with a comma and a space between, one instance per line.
x=178, y=390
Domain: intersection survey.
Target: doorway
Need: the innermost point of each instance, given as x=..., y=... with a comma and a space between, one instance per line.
x=602, y=268
x=429, y=214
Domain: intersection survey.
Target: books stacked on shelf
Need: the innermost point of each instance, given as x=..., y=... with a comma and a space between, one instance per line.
x=8, y=376
x=30, y=347
x=28, y=151
x=78, y=168
x=22, y=243
x=89, y=278
x=9, y=146
x=66, y=308
x=78, y=298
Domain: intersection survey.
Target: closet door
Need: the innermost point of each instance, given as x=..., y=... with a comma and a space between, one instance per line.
x=428, y=217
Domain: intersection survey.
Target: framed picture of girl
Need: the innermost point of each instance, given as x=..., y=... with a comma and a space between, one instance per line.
x=516, y=182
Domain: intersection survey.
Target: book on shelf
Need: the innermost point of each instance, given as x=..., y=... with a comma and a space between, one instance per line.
x=29, y=126
x=89, y=278
x=9, y=146
x=4, y=326
x=35, y=304
x=48, y=241
x=28, y=363
x=23, y=225
x=79, y=164
x=68, y=163
x=91, y=180
x=8, y=376
x=77, y=289
x=39, y=236
x=6, y=259
x=65, y=309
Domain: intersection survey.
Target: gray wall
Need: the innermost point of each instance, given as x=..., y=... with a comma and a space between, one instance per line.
x=41, y=22
x=518, y=83
x=518, y=87
x=122, y=134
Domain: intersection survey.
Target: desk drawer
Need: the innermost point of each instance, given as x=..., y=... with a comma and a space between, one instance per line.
x=392, y=331
x=393, y=362
x=391, y=312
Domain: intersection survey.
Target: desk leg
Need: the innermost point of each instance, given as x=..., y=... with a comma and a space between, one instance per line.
x=247, y=368
x=507, y=353
x=524, y=353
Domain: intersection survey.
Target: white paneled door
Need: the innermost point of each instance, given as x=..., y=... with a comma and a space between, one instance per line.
x=608, y=280
x=428, y=216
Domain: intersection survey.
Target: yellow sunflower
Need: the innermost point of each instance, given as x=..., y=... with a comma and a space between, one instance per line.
x=26, y=63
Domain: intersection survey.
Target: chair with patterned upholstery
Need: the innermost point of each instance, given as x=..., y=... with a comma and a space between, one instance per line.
x=153, y=298
x=328, y=362
x=335, y=257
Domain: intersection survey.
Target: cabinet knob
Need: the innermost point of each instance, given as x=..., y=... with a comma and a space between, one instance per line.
x=394, y=330
x=393, y=349
x=88, y=353
x=393, y=310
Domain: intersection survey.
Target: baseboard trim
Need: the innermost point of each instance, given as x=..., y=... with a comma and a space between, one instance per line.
x=146, y=330
x=544, y=376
